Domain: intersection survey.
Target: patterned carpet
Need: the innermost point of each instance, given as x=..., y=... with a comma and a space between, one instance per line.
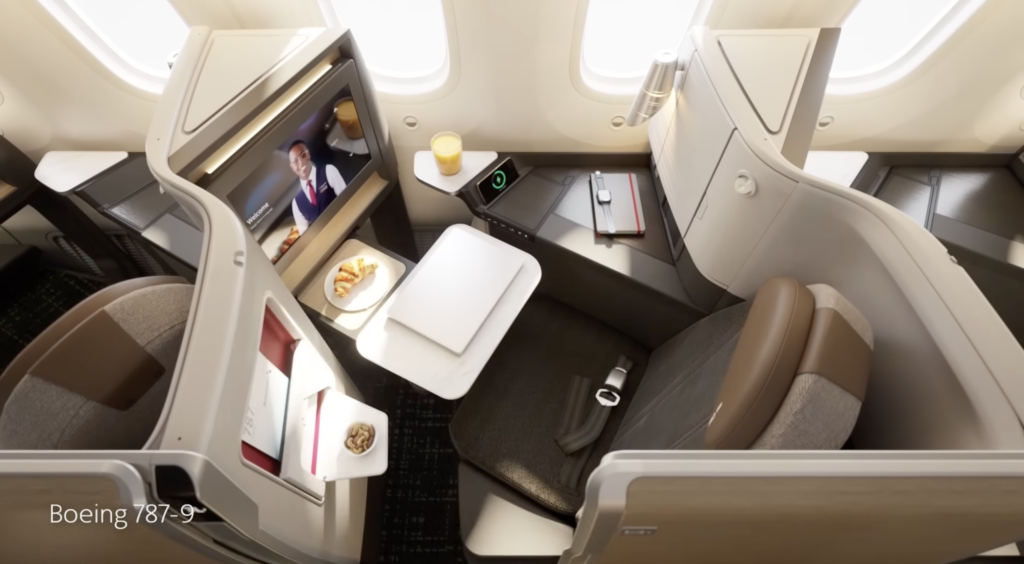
x=32, y=301
x=420, y=521
x=412, y=511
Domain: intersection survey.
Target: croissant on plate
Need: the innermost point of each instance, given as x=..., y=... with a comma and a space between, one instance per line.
x=350, y=274
x=293, y=236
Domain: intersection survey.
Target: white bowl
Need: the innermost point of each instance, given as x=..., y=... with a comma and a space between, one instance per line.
x=373, y=445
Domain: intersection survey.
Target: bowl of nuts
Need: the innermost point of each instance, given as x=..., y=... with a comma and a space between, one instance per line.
x=360, y=439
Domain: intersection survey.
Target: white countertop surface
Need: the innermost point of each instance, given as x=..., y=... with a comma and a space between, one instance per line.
x=473, y=163
x=429, y=365
x=62, y=171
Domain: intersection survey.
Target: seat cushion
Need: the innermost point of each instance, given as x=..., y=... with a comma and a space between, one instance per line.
x=676, y=400
x=507, y=422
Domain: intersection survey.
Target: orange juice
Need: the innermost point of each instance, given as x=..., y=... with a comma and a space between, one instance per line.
x=348, y=119
x=447, y=148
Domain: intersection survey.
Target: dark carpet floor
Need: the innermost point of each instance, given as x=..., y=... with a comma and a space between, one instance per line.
x=412, y=513
x=33, y=299
x=420, y=515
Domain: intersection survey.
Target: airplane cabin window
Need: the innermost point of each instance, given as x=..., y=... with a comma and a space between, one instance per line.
x=621, y=38
x=137, y=53
x=883, y=40
x=404, y=42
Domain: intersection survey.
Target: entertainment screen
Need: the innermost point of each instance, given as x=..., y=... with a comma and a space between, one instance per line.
x=290, y=190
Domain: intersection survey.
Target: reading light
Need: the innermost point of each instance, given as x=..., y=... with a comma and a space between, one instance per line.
x=655, y=90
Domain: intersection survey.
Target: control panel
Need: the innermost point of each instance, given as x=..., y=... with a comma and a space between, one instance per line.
x=507, y=226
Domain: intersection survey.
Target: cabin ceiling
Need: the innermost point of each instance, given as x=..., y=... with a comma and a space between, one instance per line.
x=514, y=90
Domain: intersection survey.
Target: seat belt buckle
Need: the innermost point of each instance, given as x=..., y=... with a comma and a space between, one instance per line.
x=608, y=397
x=616, y=379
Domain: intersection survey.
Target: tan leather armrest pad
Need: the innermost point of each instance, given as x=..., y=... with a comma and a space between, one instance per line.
x=763, y=365
x=837, y=352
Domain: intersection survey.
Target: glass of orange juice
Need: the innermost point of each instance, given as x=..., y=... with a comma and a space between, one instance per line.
x=447, y=148
x=348, y=119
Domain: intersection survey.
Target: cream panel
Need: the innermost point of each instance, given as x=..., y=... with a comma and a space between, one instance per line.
x=729, y=219
x=695, y=140
x=898, y=520
x=232, y=65
x=777, y=14
x=946, y=372
x=28, y=537
x=217, y=14
x=767, y=66
x=258, y=14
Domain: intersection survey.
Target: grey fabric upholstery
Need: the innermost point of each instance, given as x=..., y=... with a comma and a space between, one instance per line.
x=31, y=354
x=676, y=400
x=507, y=422
x=42, y=416
x=816, y=414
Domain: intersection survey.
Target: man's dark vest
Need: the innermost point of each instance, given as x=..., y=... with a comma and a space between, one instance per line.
x=324, y=195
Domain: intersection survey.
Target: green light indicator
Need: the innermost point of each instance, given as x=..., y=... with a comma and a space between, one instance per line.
x=499, y=180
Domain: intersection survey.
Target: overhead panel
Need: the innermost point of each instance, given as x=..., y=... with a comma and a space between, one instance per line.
x=233, y=64
x=767, y=68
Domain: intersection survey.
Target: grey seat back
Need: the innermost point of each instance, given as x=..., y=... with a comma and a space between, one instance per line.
x=786, y=371
x=103, y=385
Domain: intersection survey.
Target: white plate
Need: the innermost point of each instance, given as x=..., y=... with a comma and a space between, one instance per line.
x=366, y=293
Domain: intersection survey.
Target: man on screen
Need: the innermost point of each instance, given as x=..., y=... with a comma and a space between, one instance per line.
x=318, y=186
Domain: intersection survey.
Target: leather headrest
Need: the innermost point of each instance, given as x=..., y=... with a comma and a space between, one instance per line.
x=763, y=365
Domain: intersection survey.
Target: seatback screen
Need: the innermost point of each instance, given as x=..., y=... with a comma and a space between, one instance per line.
x=292, y=188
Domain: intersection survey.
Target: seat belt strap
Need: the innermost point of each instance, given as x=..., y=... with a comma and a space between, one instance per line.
x=575, y=407
x=572, y=439
x=587, y=433
x=576, y=436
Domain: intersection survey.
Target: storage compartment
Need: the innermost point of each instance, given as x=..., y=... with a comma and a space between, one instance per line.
x=743, y=198
x=308, y=438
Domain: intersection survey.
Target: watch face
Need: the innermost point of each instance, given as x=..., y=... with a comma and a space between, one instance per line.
x=604, y=196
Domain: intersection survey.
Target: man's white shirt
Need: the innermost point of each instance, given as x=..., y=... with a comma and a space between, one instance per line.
x=334, y=180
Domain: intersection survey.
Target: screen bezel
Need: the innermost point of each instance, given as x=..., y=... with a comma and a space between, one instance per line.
x=245, y=161
x=479, y=189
